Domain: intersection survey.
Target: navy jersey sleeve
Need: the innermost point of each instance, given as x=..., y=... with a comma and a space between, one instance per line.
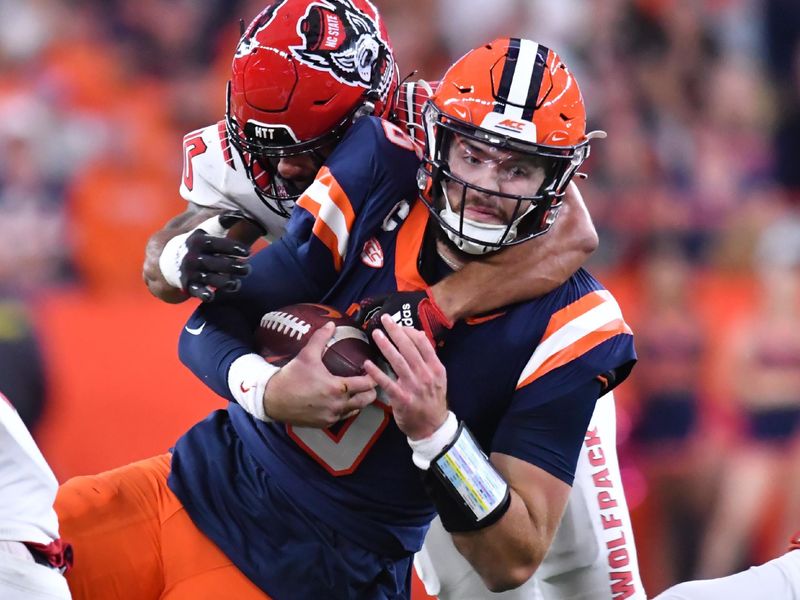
x=372, y=169
x=219, y=332
x=372, y=166
x=585, y=350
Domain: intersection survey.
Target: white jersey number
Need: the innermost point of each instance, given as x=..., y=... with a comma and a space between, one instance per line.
x=193, y=145
x=340, y=453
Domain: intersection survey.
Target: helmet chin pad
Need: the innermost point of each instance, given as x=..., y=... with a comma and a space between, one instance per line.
x=472, y=231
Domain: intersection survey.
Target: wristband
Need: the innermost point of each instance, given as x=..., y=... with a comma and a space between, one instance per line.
x=467, y=490
x=248, y=377
x=426, y=449
x=175, y=250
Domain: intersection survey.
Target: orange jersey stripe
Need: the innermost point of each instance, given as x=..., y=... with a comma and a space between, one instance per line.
x=322, y=231
x=577, y=348
x=334, y=214
x=337, y=195
x=576, y=309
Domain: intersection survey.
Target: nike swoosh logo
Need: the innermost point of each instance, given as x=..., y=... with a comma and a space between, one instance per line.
x=245, y=389
x=197, y=330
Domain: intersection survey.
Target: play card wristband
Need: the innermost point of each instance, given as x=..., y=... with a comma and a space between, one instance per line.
x=467, y=490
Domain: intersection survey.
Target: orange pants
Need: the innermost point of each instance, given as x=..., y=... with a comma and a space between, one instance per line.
x=133, y=540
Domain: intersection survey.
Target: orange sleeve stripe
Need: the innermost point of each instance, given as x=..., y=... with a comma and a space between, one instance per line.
x=332, y=221
x=307, y=203
x=578, y=348
x=322, y=231
x=572, y=311
x=338, y=196
x=328, y=237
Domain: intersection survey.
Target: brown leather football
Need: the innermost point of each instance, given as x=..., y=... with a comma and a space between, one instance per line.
x=282, y=333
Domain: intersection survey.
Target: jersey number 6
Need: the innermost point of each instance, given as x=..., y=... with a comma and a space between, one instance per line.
x=341, y=452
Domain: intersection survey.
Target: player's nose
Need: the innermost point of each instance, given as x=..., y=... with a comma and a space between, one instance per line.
x=487, y=177
x=297, y=168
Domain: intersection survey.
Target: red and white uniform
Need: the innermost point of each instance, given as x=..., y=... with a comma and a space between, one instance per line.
x=778, y=579
x=27, y=490
x=214, y=176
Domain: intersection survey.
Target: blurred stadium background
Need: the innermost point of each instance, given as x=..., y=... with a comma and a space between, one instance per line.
x=696, y=195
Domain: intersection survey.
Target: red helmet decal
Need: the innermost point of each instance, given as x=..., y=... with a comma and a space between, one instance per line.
x=346, y=42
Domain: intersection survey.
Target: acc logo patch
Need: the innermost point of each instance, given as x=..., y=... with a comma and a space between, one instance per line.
x=372, y=254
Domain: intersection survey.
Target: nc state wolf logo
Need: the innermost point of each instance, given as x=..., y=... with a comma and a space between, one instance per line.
x=343, y=40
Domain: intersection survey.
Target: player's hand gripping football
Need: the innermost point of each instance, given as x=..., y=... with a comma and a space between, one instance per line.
x=305, y=393
x=419, y=394
x=415, y=309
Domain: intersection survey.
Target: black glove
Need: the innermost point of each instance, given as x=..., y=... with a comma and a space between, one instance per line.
x=415, y=309
x=212, y=263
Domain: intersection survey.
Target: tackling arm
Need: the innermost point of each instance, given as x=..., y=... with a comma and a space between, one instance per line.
x=523, y=271
x=194, y=215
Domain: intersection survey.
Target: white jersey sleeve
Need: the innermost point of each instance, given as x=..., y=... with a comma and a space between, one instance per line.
x=214, y=176
x=27, y=485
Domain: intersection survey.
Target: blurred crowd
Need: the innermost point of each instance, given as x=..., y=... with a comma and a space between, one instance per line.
x=695, y=194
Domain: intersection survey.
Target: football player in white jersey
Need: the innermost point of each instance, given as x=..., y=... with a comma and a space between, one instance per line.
x=778, y=579
x=32, y=556
x=276, y=134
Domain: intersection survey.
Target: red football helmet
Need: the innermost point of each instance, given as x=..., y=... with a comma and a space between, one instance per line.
x=511, y=104
x=303, y=71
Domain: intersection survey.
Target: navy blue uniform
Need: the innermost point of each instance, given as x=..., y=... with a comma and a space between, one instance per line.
x=519, y=380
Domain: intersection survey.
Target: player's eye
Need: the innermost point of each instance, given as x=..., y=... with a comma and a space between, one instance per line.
x=470, y=159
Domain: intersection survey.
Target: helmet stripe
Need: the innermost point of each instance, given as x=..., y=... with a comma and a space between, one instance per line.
x=521, y=82
x=508, y=75
x=520, y=72
x=536, y=82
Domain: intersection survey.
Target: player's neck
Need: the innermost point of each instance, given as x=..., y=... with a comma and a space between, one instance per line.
x=452, y=257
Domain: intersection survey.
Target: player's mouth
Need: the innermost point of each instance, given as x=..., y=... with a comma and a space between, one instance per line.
x=484, y=214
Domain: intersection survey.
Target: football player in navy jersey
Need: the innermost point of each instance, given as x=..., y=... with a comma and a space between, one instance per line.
x=506, y=132
x=239, y=164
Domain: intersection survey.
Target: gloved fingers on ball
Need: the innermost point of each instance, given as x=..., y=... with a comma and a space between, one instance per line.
x=203, y=292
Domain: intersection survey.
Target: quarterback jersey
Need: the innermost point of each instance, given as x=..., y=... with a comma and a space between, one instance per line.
x=27, y=485
x=513, y=376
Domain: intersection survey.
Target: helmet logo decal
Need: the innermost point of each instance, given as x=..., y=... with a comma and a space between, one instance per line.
x=504, y=125
x=346, y=42
x=511, y=125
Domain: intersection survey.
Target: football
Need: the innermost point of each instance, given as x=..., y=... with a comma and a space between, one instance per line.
x=282, y=333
